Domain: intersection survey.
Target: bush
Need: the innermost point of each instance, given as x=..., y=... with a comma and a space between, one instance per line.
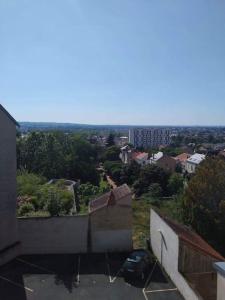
x=67, y=202
x=53, y=205
x=28, y=183
x=25, y=209
x=155, y=190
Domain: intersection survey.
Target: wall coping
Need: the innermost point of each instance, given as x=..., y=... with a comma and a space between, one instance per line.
x=220, y=268
x=54, y=217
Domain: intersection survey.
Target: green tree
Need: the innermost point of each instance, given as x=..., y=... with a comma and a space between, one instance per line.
x=155, y=190
x=130, y=173
x=113, y=169
x=28, y=183
x=148, y=175
x=58, y=155
x=110, y=140
x=112, y=153
x=204, y=202
x=175, y=184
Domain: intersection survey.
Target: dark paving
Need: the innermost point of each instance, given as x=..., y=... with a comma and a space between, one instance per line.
x=80, y=277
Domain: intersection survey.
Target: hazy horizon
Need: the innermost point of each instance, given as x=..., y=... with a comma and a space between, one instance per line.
x=123, y=125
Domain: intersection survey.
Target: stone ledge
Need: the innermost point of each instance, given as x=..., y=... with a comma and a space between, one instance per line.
x=220, y=268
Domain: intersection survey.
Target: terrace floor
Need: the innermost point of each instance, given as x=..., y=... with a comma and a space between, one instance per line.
x=80, y=277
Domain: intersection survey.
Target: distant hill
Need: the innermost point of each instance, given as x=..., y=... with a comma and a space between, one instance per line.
x=69, y=127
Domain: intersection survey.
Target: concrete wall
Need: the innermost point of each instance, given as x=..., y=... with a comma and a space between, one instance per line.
x=111, y=228
x=67, y=234
x=220, y=287
x=8, y=221
x=111, y=241
x=165, y=245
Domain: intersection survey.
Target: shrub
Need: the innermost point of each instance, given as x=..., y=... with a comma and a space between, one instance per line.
x=67, y=202
x=53, y=205
x=25, y=209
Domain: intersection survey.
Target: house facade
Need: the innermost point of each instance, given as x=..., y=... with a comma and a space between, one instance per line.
x=9, y=243
x=141, y=158
x=181, y=160
x=193, y=162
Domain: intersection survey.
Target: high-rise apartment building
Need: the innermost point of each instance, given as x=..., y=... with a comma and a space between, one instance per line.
x=149, y=137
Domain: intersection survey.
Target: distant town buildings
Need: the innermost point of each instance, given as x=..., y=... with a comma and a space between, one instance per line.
x=149, y=137
x=193, y=162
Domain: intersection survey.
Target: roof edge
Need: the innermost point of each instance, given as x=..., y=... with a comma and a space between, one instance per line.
x=9, y=116
x=215, y=254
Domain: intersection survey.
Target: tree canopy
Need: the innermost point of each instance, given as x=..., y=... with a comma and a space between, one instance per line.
x=58, y=155
x=204, y=202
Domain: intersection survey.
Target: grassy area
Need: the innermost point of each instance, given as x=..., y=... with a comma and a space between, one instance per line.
x=141, y=222
x=141, y=216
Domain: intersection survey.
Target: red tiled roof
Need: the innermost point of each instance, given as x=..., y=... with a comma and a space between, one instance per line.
x=110, y=198
x=192, y=239
x=135, y=154
x=139, y=155
x=182, y=157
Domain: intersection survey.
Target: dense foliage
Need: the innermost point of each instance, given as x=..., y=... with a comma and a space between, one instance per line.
x=149, y=175
x=204, y=202
x=36, y=197
x=87, y=192
x=58, y=155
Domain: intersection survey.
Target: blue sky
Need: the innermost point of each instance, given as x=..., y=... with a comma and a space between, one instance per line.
x=113, y=62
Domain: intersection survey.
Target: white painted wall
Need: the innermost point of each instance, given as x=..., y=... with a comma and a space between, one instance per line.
x=220, y=287
x=190, y=167
x=167, y=253
x=112, y=241
x=53, y=235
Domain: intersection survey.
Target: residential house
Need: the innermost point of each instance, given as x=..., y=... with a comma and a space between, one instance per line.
x=111, y=221
x=141, y=158
x=193, y=162
x=167, y=163
x=128, y=154
x=9, y=243
x=181, y=160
